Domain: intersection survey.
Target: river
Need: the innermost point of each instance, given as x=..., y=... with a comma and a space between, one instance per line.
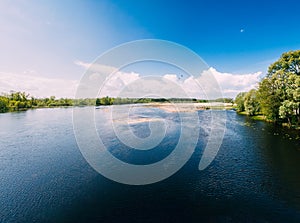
x=255, y=176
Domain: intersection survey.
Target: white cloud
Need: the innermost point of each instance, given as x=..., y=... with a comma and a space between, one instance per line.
x=232, y=84
x=171, y=77
x=210, y=84
x=116, y=82
x=37, y=85
x=133, y=84
x=96, y=67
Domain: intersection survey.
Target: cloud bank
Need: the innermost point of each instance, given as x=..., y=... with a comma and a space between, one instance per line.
x=232, y=84
x=134, y=84
x=202, y=86
x=37, y=85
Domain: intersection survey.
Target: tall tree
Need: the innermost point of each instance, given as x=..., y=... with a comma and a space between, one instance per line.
x=279, y=91
x=251, y=103
x=239, y=101
x=98, y=102
x=3, y=104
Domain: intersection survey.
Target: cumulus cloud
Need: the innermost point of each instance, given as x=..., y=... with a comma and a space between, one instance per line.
x=232, y=84
x=209, y=84
x=115, y=83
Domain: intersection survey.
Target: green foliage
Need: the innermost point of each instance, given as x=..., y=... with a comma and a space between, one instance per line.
x=107, y=101
x=84, y=102
x=251, y=103
x=278, y=94
x=98, y=102
x=288, y=63
x=239, y=101
x=269, y=98
x=223, y=100
x=119, y=101
x=248, y=102
x=4, y=104
x=20, y=101
x=287, y=110
x=104, y=101
x=202, y=101
x=17, y=101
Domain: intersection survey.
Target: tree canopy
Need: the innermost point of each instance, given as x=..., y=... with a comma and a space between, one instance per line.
x=18, y=101
x=278, y=94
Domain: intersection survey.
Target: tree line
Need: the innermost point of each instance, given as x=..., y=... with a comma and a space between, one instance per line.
x=278, y=94
x=20, y=101
x=119, y=101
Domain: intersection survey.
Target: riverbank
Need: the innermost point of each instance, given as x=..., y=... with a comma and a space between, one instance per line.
x=261, y=117
x=167, y=106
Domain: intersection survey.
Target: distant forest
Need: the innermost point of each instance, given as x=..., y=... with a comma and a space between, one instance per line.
x=21, y=101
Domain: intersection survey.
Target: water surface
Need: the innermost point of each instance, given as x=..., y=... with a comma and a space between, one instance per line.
x=44, y=178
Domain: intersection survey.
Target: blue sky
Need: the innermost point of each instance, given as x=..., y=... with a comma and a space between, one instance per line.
x=45, y=38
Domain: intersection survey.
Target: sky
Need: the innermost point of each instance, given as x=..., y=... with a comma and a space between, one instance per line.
x=46, y=45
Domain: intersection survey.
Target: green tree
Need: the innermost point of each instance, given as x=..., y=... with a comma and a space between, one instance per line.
x=288, y=62
x=106, y=101
x=18, y=101
x=287, y=110
x=240, y=101
x=269, y=99
x=278, y=92
x=251, y=103
x=98, y=102
x=3, y=104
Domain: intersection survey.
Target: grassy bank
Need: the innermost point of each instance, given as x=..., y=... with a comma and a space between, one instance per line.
x=263, y=118
x=255, y=117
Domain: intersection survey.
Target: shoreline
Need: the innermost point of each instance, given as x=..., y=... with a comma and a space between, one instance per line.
x=189, y=107
x=263, y=118
x=167, y=106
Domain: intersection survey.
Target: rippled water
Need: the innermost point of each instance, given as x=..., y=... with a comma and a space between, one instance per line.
x=44, y=178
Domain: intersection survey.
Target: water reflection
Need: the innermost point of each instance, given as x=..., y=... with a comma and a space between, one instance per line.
x=44, y=178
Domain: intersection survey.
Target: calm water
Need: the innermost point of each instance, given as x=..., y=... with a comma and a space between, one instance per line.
x=44, y=178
